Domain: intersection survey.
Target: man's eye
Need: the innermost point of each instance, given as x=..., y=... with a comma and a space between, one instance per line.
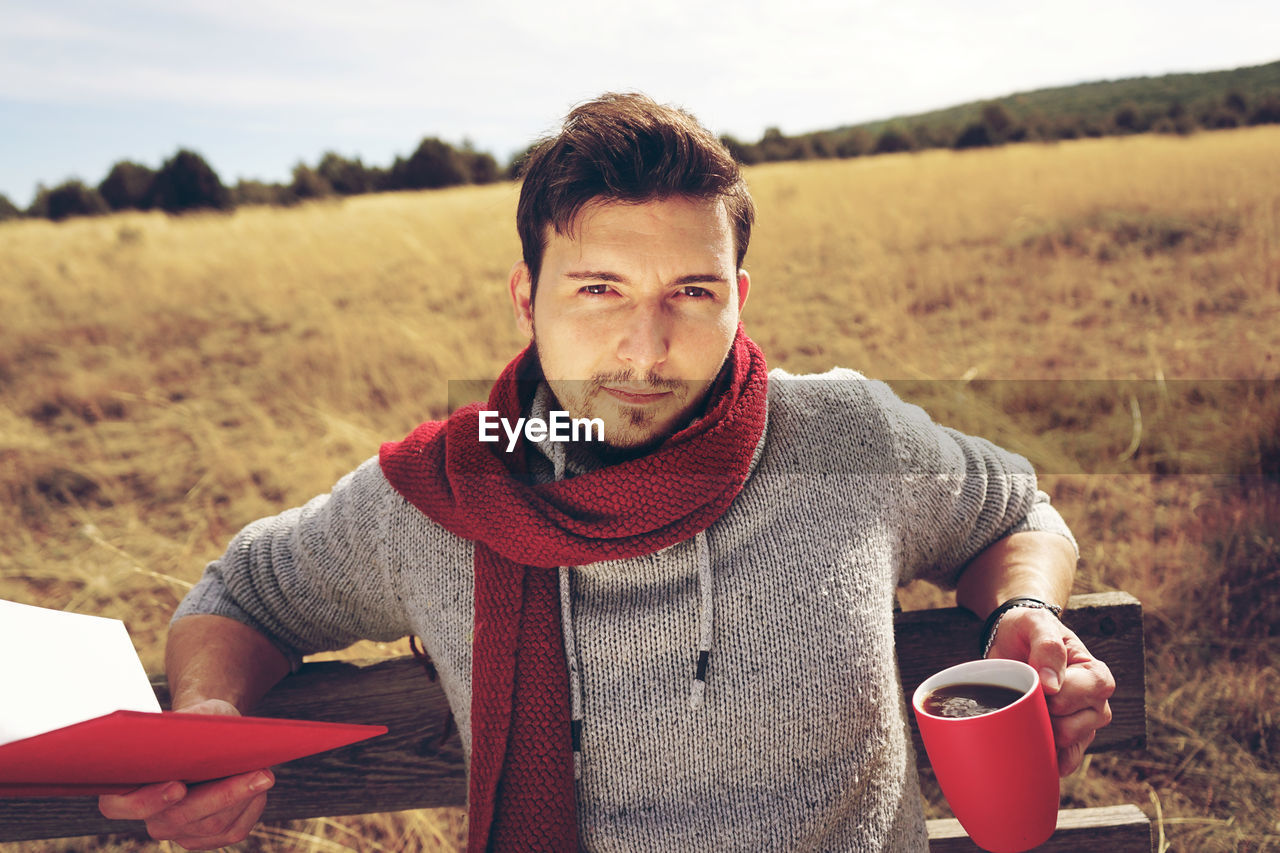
x=695, y=292
x=595, y=289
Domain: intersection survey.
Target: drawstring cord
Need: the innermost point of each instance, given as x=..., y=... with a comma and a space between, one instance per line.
x=575, y=679
x=705, y=621
x=706, y=616
x=558, y=462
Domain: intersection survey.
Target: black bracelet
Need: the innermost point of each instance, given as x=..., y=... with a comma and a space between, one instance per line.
x=988, y=636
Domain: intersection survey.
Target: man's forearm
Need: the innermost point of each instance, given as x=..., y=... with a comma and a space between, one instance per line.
x=1032, y=563
x=213, y=657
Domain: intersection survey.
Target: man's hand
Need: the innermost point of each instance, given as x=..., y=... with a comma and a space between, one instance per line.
x=1076, y=684
x=197, y=817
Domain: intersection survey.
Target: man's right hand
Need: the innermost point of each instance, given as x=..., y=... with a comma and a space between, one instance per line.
x=197, y=817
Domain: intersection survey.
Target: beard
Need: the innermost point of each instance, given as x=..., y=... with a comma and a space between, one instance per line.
x=628, y=428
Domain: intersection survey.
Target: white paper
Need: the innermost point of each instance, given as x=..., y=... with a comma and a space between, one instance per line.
x=60, y=668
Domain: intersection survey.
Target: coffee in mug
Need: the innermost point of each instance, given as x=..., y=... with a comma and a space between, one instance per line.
x=969, y=700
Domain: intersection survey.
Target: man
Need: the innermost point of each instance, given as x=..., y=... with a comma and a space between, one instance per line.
x=679, y=638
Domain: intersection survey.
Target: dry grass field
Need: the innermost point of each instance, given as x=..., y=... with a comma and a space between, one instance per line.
x=1110, y=308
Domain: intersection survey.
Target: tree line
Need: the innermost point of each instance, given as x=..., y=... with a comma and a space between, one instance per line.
x=996, y=125
x=186, y=182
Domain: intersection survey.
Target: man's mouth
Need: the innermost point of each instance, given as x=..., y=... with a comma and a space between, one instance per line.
x=636, y=397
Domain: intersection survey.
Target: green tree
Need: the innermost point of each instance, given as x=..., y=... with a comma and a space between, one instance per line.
x=1127, y=119
x=71, y=198
x=127, y=186
x=854, y=143
x=39, y=207
x=259, y=192
x=480, y=167
x=1067, y=127
x=308, y=184
x=1220, y=118
x=1180, y=119
x=998, y=122
x=347, y=177
x=823, y=144
x=891, y=141
x=927, y=135
x=1092, y=129
x=776, y=146
x=1018, y=133
x=1267, y=111
x=746, y=153
x=187, y=182
x=8, y=210
x=975, y=135
x=434, y=164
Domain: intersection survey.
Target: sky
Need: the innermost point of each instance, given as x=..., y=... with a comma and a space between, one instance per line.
x=257, y=86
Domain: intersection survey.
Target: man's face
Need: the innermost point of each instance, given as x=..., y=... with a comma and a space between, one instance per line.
x=635, y=313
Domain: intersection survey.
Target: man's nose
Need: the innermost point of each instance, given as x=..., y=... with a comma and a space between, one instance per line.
x=646, y=339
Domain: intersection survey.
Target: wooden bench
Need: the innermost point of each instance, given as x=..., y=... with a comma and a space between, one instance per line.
x=419, y=763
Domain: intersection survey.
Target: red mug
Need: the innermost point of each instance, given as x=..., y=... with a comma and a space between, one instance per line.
x=999, y=769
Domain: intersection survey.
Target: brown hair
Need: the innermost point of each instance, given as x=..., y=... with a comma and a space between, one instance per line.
x=631, y=149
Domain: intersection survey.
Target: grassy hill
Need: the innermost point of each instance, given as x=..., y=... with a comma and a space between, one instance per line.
x=1098, y=101
x=1173, y=103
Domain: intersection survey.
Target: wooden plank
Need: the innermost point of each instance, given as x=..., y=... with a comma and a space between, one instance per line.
x=415, y=767
x=1109, y=624
x=1109, y=829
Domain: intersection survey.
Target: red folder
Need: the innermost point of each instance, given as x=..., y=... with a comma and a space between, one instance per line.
x=118, y=752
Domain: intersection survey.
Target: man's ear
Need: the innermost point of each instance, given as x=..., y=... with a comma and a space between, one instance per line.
x=744, y=287
x=521, y=286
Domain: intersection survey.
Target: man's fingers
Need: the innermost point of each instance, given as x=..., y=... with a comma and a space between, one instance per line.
x=1086, y=685
x=142, y=803
x=1080, y=726
x=1036, y=636
x=1049, y=657
x=1080, y=707
x=1071, y=757
x=210, y=808
x=1047, y=648
x=1076, y=684
x=234, y=831
x=151, y=801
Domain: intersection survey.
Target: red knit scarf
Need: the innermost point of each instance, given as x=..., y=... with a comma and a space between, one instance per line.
x=521, y=787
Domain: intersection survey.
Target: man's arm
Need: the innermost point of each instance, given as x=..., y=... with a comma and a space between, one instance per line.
x=214, y=657
x=308, y=579
x=1076, y=684
x=1033, y=563
x=959, y=497
x=214, y=665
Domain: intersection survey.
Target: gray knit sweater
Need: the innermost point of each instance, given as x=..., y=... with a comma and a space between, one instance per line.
x=799, y=742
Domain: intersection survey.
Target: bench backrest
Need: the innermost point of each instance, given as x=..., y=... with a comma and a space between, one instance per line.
x=418, y=764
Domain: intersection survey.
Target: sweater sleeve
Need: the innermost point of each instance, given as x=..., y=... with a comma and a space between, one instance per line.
x=956, y=493
x=312, y=578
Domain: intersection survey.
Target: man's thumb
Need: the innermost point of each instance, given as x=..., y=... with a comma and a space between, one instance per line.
x=1049, y=657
